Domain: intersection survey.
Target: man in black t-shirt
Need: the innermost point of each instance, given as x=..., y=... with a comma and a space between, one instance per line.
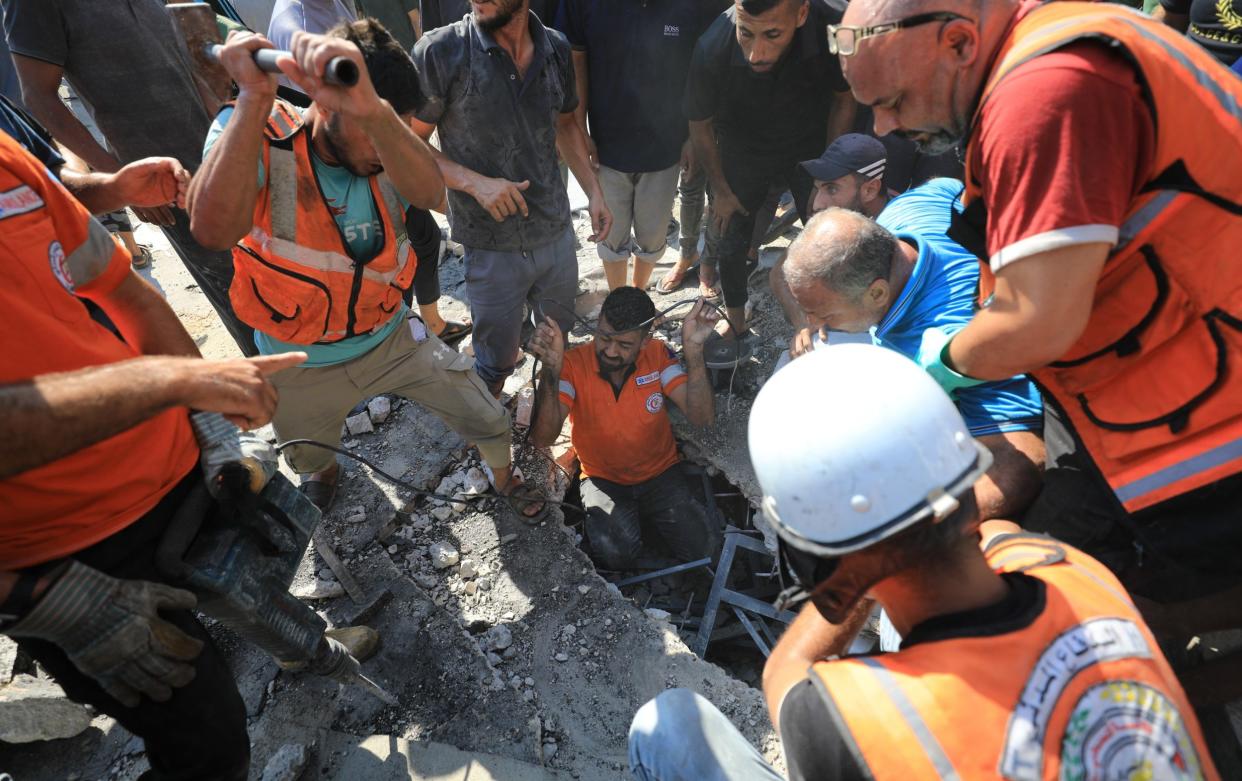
x=763, y=94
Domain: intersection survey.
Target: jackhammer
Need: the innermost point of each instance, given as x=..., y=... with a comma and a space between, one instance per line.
x=236, y=542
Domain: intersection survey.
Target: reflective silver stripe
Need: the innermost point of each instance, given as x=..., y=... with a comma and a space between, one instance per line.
x=392, y=203
x=1203, y=462
x=1226, y=100
x=568, y=389
x=282, y=191
x=931, y=746
x=92, y=256
x=671, y=373
x=1139, y=221
x=322, y=260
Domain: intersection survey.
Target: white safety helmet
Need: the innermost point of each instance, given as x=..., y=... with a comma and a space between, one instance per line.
x=855, y=443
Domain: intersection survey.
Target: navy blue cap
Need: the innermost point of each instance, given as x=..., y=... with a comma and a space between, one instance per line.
x=852, y=153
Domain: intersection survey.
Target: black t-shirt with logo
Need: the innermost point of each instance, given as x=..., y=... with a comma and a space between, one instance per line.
x=1216, y=25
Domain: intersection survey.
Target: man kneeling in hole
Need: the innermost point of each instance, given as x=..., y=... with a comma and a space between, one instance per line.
x=613, y=389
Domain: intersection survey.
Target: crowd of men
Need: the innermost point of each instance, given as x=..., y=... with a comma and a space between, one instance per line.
x=1025, y=212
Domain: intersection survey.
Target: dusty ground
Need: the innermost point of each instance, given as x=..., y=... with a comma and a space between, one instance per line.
x=534, y=658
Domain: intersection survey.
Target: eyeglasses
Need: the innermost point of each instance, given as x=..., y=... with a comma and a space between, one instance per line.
x=844, y=40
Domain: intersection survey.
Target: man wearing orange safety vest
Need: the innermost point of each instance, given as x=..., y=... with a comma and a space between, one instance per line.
x=321, y=258
x=1104, y=186
x=96, y=457
x=1024, y=660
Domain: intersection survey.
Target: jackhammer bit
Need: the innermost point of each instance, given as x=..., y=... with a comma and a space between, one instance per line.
x=239, y=554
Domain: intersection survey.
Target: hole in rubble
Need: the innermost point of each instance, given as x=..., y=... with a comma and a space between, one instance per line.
x=684, y=598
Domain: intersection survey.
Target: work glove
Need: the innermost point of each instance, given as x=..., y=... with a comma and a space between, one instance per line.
x=931, y=356
x=111, y=630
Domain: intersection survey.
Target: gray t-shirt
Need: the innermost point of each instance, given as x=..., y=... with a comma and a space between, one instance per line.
x=501, y=125
x=126, y=60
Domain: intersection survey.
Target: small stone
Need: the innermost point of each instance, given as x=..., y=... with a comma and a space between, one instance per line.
x=607, y=622
x=286, y=764
x=393, y=549
x=471, y=588
x=468, y=569
x=466, y=548
x=509, y=652
x=528, y=696
x=493, y=658
x=442, y=513
x=508, y=538
x=443, y=555
x=476, y=482
x=359, y=424
x=583, y=589
x=318, y=589
x=613, y=588
x=425, y=580
x=657, y=613
x=499, y=637
x=549, y=751
x=529, y=681
x=356, y=518
x=379, y=408
x=508, y=615
x=37, y=709
x=569, y=629
x=562, y=657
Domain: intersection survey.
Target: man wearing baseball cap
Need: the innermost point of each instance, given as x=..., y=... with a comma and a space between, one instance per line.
x=849, y=175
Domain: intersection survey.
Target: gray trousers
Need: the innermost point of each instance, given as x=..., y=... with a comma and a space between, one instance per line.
x=640, y=205
x=499, y=286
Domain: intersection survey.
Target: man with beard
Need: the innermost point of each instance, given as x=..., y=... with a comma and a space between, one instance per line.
x=763, y=94
x=1021, y=658
x=613, y=390
x=321, y=257
x=1117, y=283
x=500, y=88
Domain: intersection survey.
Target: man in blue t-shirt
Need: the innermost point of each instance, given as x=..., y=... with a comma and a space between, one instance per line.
x=849, y=273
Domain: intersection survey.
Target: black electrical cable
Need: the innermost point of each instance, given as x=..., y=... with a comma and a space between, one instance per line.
x=510, y=500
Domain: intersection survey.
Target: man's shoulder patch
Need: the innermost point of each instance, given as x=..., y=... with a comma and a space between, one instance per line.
x=19, y=200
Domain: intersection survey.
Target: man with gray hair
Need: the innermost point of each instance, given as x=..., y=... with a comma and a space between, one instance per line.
x=848, y=273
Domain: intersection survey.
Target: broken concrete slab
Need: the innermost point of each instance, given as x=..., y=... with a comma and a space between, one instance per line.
x=8, y=659
x=359, y=424
x=386, y=758
x=287, y=764
x=33, y=709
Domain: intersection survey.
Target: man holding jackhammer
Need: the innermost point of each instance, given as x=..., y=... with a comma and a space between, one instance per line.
x=96, y=455
x=315, y=205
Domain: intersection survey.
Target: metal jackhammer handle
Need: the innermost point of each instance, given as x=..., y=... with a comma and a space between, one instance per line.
x=340, y=71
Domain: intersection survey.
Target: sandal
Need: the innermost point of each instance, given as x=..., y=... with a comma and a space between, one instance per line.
x=142, y=259
x=520, y=496
x=454, y=331
x=320, y=492
x=670, y=282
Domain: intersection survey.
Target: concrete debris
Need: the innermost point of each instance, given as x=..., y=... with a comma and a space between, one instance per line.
x=359, y=424
x=569, y=630
x=36, y=709
x=499, y=637
x=468, y=569
x=471, y=588
x=393, y=548
x=583, y=589
x=562, y=657
x=379, y=408
x=426, y=581
x=318, y=589
x=484, y=584
x=476, y=482
x=443, y=555
x=8, y=659
x=442, y=513
x=286, y=764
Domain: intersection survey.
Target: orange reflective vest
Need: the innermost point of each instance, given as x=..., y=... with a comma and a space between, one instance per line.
x=1154, y=385
x=295, y=277
x=1082, y=692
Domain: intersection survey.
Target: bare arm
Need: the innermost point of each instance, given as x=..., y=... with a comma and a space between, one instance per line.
x=1015, y=477
x=41, y=94
x=1040, y=308
x=406, y=158
x=146, y=320
x=707, y=153
x=548, y=345
x=695, y=397
x=152, y=181
x=1179, y=22
x=842, y=116
x=500, y=197
x=224, y=191
x=582, y=83
x=571, y=142
x=808, y=639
